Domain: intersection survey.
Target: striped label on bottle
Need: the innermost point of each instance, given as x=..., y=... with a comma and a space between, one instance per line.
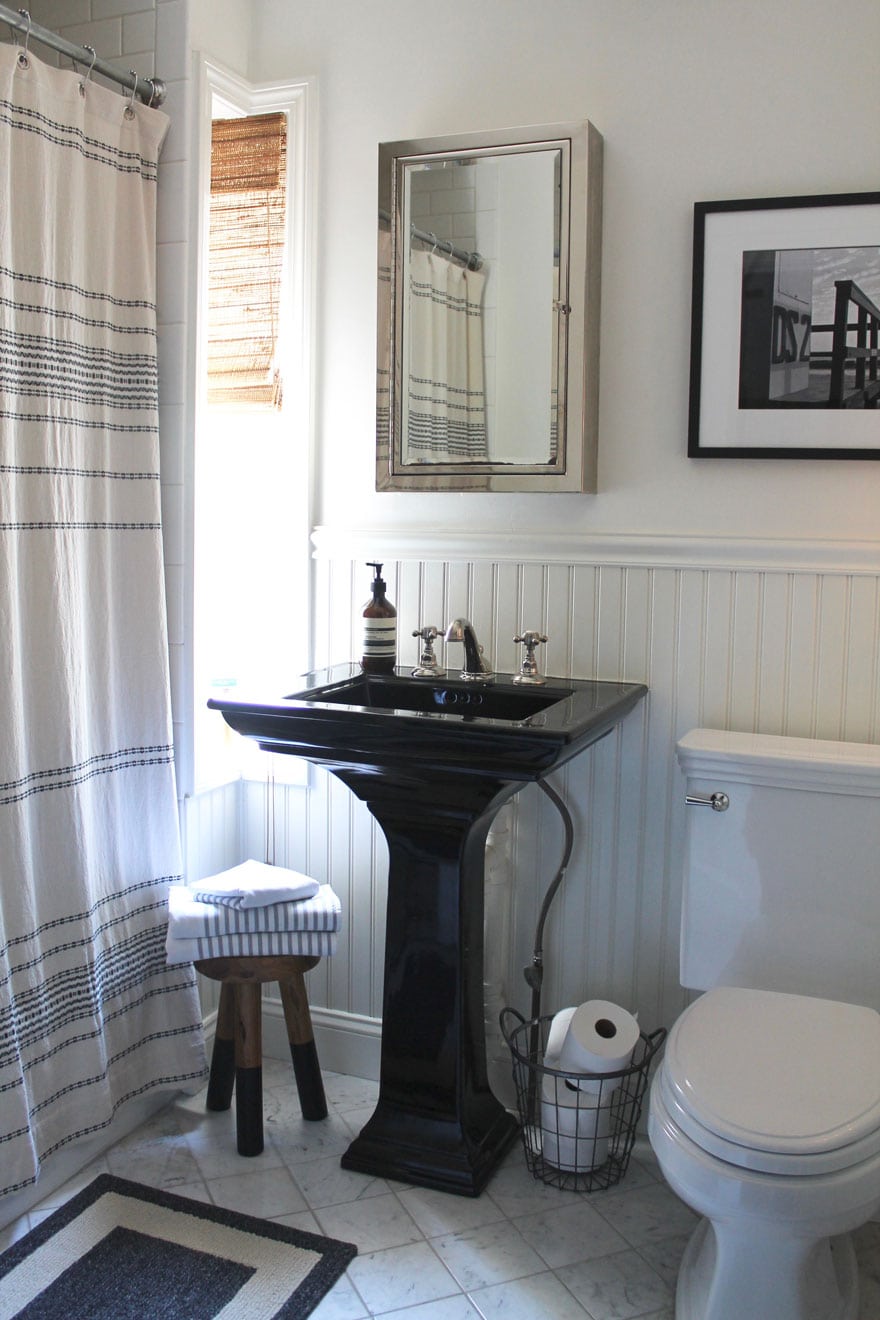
x=380, y=638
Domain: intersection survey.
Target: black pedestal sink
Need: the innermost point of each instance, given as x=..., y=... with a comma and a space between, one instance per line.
x=433, y=759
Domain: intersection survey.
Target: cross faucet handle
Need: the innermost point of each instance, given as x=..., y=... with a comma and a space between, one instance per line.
x=528, y=671
x=427, y=666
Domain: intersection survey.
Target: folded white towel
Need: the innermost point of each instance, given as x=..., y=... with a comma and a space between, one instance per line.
x=189, y=918
x=254, y=884
x=288, y=943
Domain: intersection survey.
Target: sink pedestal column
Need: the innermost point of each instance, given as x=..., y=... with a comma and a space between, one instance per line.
x=437, y=1123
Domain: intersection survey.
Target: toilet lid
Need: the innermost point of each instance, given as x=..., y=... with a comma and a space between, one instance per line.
x=772, y=1081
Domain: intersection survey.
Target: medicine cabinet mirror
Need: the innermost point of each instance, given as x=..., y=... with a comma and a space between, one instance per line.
x=488, y=310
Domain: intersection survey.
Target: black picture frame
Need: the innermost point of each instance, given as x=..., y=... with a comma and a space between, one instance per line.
x=785, y=328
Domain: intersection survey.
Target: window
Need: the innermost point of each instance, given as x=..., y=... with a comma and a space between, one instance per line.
x=251, y=518
x=247, y=244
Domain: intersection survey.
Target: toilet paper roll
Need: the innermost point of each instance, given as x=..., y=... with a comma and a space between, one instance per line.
x=600, y=1039
x=556, y=1036
x=575, y=1128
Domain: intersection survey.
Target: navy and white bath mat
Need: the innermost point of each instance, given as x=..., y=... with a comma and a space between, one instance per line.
x=121, y=1251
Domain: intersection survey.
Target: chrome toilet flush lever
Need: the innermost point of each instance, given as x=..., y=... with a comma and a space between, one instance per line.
x=528, y=670
x=427, y=666
x=717, y=801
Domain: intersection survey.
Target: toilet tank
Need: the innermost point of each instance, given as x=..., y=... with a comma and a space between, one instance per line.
x=782, y=890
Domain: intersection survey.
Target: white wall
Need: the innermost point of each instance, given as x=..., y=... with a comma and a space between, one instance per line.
x=223, y=28
x=745, y=593
x=696, y=100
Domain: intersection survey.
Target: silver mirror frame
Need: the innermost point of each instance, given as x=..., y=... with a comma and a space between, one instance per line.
x=578, y=343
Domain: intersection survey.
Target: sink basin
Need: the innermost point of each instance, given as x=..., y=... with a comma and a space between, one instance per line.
x=423, y=696
x=342, y=716
x=433, y=759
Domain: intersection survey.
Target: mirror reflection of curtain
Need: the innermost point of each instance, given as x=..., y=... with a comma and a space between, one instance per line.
x=446, y=397
x=383, y=364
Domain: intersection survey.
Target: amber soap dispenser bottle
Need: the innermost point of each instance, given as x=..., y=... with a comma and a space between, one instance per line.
x=380, y=629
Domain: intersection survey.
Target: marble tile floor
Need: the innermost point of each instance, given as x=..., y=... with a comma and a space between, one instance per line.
x=522, y=1250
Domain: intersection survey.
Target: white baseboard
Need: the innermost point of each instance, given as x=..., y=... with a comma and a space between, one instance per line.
x=347, y=1042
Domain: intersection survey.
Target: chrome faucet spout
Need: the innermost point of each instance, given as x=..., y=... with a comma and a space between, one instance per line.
x=476, y=666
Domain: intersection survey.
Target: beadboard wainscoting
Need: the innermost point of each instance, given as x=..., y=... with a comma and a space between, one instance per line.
x=777, y=637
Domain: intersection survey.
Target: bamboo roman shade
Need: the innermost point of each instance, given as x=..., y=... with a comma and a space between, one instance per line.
x=246, y=257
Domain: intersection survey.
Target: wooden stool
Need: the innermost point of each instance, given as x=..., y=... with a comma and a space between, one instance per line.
x=237, y=1058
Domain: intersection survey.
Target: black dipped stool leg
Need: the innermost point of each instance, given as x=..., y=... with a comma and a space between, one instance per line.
x=236, y=1062
x=249, y=1069
x=303, y=1051
x=221, y=1081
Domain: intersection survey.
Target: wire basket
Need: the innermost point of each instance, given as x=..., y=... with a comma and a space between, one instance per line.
x=577, y=1129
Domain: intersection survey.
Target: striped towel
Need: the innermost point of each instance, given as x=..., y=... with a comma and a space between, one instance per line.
x=287, y=944
x=189, y=918
x=306, y=928
x=254, y=884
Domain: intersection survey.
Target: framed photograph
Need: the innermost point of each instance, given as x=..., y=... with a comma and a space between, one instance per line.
x=785, y=328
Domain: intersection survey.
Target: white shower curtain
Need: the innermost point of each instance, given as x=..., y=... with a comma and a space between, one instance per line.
x=90, y=1016
x=446, y=395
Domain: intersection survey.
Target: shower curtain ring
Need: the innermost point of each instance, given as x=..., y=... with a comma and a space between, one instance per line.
x=129, y=109
x=84, y=81
x=23, y=61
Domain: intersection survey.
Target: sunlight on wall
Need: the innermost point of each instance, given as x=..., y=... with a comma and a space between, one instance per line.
x=251, y=524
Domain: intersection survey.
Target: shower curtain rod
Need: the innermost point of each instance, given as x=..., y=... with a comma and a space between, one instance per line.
x=472, y=260
x=150, y=90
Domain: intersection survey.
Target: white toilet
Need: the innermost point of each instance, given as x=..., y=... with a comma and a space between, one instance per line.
x=765, y=1112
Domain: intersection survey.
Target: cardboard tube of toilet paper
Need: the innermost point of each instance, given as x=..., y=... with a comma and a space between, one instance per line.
x=574, y=1127
x=600, y=1039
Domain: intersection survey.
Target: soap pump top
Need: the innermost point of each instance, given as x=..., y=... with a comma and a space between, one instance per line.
x=380, y=629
